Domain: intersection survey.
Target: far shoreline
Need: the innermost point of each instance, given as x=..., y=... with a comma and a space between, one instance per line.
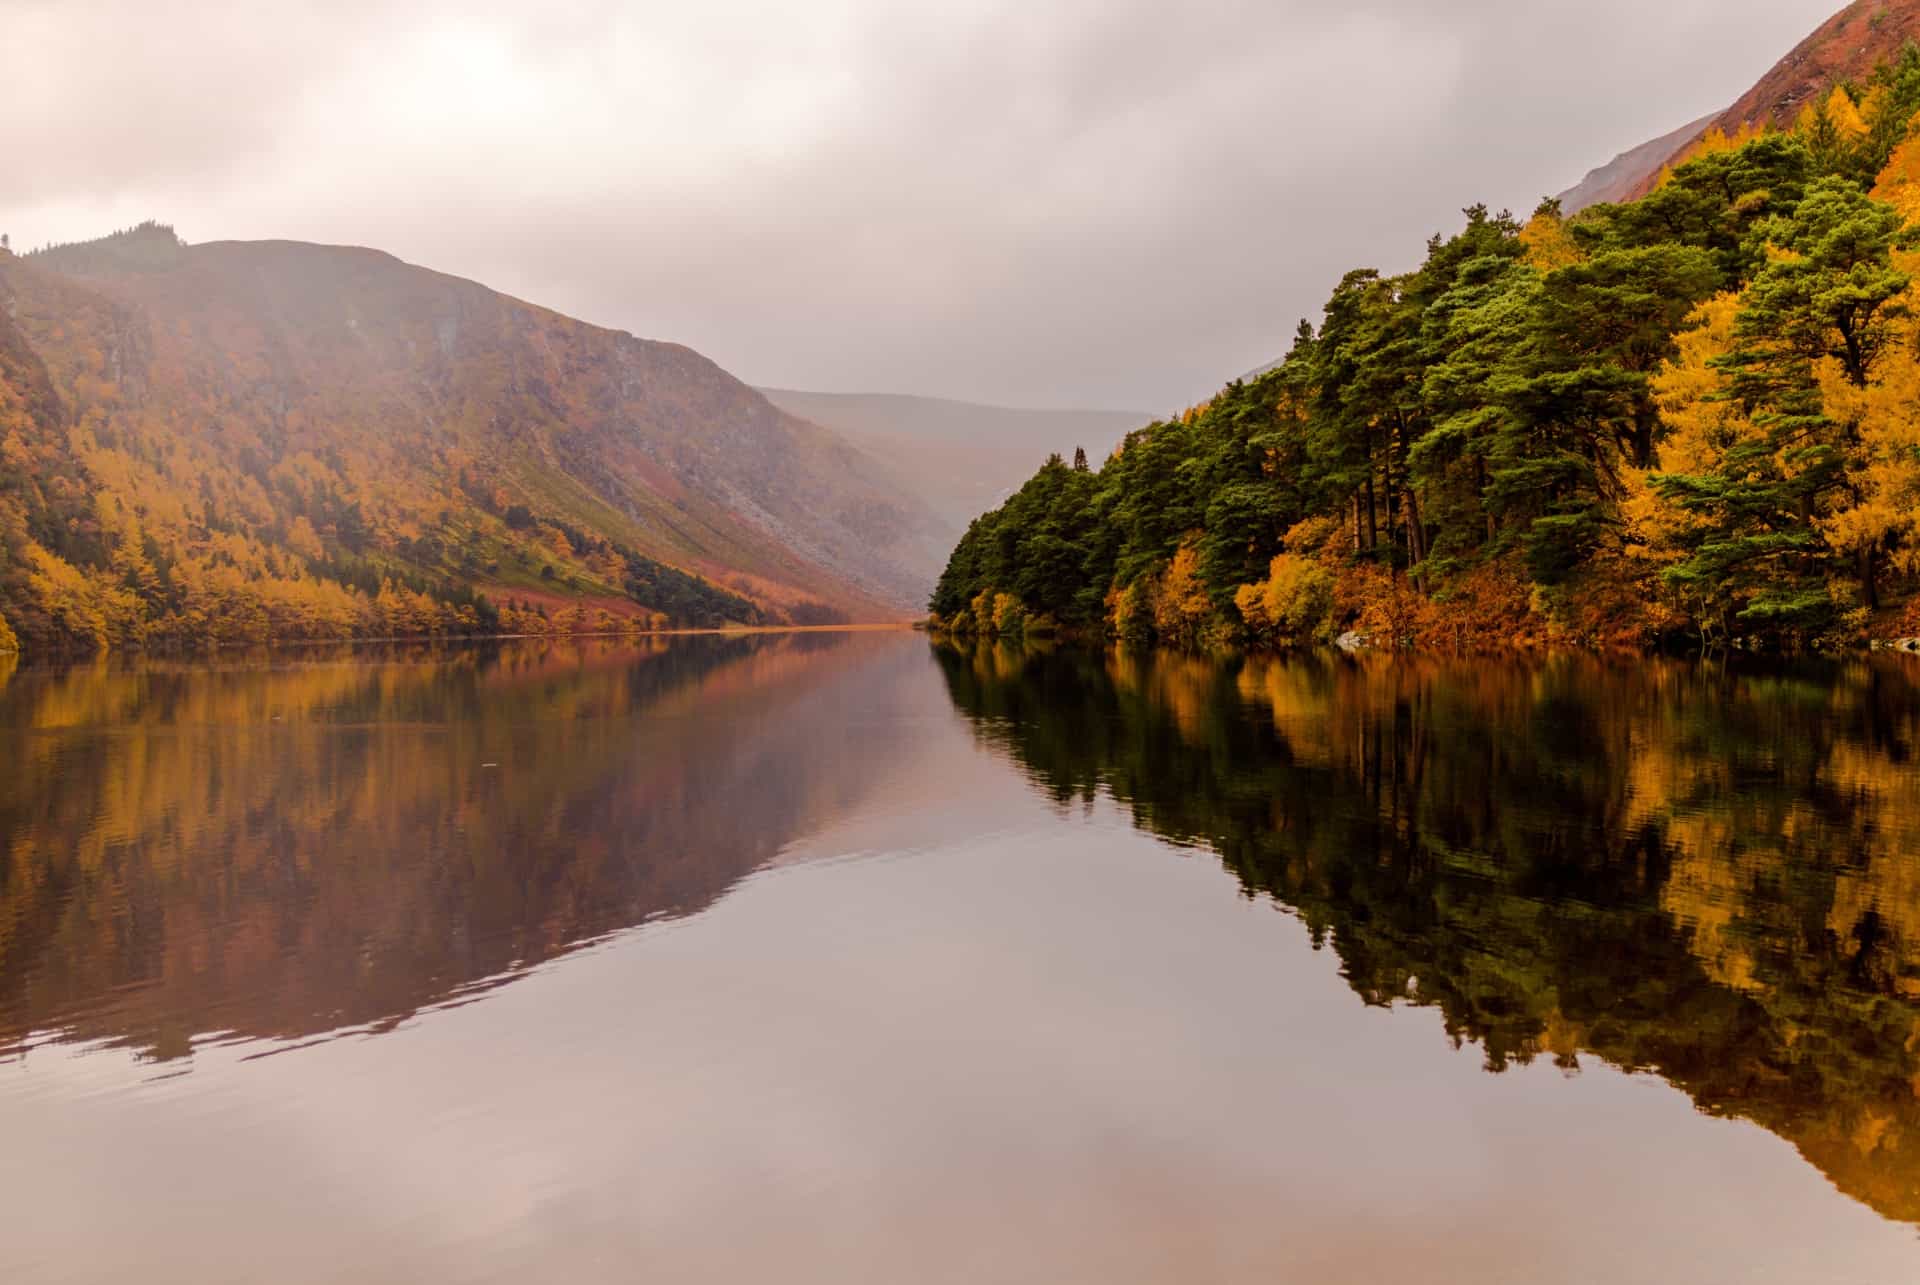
x=24, y=658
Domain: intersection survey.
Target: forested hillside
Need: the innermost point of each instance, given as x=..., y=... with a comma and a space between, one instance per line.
x=1695, y=416
x=261, y=441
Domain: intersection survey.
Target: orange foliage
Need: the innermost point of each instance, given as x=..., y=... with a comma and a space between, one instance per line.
x=1182, y=608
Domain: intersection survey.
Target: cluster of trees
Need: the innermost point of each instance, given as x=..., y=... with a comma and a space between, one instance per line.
x=1693, y=415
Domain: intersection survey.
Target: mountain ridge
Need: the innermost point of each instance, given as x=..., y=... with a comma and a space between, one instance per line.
x=283, y=410
x=1618, y=178
x=1847, y=46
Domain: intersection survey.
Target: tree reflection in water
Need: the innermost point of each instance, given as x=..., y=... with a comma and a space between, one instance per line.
x=1708, y=873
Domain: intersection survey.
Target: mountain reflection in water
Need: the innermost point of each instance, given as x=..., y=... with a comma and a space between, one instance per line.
x=1710, y=873
x=332, y=842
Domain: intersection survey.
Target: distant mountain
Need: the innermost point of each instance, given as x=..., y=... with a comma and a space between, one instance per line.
x=1621, y=178
x=1847, y=46
x=958, y=458
x=245, y=428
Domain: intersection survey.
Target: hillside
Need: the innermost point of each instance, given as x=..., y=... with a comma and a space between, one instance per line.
x=957, y=457
x=1620, y=178
x=1845, y=50
x=281, y=428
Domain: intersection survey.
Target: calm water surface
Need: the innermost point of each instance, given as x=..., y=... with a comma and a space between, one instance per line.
x=850, y=958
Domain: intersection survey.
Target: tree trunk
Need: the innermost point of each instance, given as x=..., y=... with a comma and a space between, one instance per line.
x=1643, y=422
x=1393, y=497
x=1869, y=589
x=1373, y=513
x=1480, y=493
x=1416, y=531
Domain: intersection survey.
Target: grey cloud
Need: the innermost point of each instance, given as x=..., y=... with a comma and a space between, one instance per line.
x=1075, y=202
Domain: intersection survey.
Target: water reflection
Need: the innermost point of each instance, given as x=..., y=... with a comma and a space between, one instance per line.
x=1712, y=874
x=287, y=848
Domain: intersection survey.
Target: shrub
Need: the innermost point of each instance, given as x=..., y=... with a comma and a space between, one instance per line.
x=1130, y=612
x=1008, y=615
x=982, y=610
x=1293, y=606
x=1182, y=607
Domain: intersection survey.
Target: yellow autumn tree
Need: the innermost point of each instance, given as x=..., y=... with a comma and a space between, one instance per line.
x=1702, y=426
x=1899, y=182
x=1182, y=607
x=68, y=597
x=128, y=558
x=1548, y=241
x=1844, y=116
x=1834, y=130
x=1294, y=604
x=1879, y=514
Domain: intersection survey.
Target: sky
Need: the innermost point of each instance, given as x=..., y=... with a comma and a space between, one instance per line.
x=1063, y=203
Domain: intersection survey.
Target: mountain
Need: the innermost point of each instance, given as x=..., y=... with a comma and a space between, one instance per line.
x=957, y=458
x=1847, y=47
x=1620, y=178
x=273, y=434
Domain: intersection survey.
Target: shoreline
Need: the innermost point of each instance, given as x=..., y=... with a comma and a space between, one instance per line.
x=24, y=656
x=1861, y=647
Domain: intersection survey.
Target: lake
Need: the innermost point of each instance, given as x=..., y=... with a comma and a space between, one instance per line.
x=855, y=957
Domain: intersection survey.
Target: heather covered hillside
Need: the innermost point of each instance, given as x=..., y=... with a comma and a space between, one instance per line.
x=270, y=440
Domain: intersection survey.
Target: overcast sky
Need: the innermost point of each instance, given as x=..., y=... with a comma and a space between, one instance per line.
x=1101, y=203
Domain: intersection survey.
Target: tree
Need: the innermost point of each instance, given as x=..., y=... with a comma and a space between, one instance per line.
x=1829, y=289
x=1711, y=203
